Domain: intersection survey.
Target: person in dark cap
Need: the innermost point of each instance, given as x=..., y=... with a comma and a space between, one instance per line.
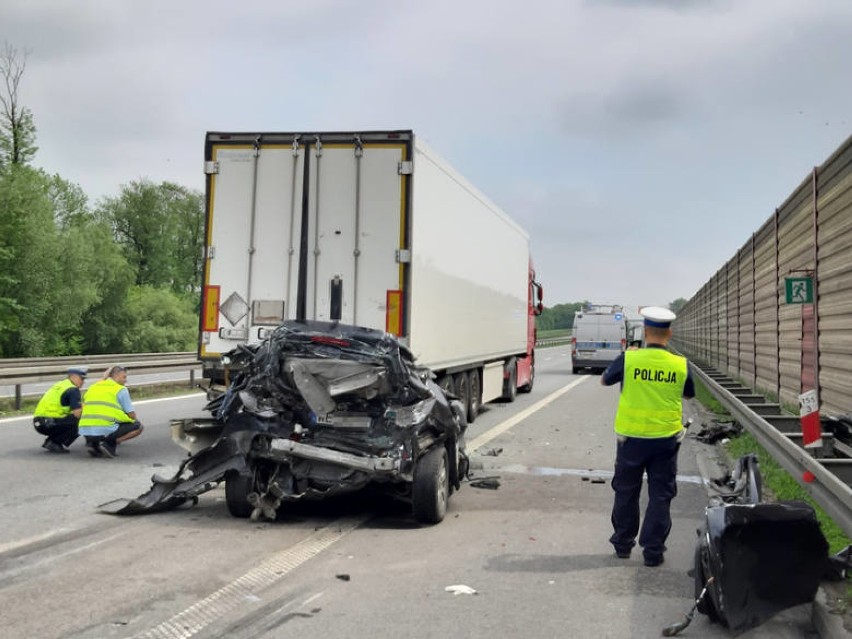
x=649, y=429
x=57, y=414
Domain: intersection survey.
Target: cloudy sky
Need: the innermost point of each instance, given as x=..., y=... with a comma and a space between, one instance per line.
x=640, y=142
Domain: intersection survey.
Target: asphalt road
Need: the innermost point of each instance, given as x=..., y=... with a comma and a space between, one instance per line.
x=535, y=550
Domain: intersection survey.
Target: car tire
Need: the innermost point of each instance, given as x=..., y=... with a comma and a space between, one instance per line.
x=237, y=489
x=510, y=384
x=574, y=370
x=431, y=489
x=527, y=388
x=474, y=389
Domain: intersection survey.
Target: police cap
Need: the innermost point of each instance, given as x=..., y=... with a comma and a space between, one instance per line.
x=78, y=370
x=657, y=316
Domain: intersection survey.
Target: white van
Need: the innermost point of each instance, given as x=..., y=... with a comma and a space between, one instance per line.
x=600, y=335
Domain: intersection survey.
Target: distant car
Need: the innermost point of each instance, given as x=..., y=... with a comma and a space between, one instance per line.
x=599, y=336
x=320, y=409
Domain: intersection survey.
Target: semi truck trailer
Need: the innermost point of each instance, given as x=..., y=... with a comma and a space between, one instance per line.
x=370, y=229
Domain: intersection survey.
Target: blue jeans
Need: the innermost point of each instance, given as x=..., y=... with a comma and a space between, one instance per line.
x=634, y=458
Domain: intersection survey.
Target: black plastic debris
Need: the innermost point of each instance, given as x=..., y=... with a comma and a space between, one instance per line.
x=489, y=483
x=754, y=559
x=716, y=431
x=764, y=558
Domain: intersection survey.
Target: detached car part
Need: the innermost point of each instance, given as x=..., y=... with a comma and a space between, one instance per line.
x=319, y=409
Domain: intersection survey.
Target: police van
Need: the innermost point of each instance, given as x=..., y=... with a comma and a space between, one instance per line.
x=600, y=335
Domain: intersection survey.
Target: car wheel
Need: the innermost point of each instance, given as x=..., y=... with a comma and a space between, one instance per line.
x=475, y=395
x=431, y=489
x=527, y=388
x=574, y=370
x=237, y=489
x=510, y=384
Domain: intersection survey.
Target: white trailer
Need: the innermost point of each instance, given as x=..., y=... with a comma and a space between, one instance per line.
x=375, y=230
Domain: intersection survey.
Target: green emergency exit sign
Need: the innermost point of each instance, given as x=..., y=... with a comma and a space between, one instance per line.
x=799, y=290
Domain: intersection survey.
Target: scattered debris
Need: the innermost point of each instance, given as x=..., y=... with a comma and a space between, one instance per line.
x=490, y=483
x=461, y=589
x=343, y=577
x=716, y=431
x=493, y=452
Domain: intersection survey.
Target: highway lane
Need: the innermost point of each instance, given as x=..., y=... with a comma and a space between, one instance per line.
x=535, y=549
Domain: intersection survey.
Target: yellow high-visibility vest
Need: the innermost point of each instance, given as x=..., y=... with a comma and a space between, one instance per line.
x=650, y=405
x=101, y=407
x=50, y=405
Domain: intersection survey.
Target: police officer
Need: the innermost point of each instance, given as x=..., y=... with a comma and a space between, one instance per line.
x=649, y=428
x=58, y=412
x=108, y=416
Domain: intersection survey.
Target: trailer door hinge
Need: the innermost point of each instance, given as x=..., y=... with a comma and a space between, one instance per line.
x=403, y=256
x=406, y=168
x=208, y=252
x=211, y=168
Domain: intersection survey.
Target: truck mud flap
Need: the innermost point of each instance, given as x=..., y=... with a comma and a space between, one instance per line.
x=763, y=557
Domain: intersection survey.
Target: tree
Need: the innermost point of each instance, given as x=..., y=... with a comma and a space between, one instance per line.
x=17, y=130
x=158, y=321
x=560, y=316
x=677, y=305
x=160, y=229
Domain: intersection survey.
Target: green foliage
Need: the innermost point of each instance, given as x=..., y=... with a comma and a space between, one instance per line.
x=560, y=316
x=158, y=321
x=677, y=305
x=160, y=230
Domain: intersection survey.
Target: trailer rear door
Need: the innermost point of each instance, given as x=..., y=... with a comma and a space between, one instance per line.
x=324, y=239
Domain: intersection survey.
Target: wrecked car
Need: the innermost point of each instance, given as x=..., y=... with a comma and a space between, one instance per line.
x=320, y=409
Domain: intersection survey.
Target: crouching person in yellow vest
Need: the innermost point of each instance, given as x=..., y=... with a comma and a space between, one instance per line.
x=108, y=417
x=58, y=412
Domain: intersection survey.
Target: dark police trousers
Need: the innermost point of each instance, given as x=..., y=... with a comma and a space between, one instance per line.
x=60, y=430
x=635, y=457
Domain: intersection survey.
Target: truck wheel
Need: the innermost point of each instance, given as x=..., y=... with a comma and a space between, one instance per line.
x=431, y=489
x=463, y=390
x=447, y=384
x=475, y=393
x=527, y=388
x=237, y=489
x=510, y=384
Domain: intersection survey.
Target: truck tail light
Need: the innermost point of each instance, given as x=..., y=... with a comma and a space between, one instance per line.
x=623, y=344
x=210, y=309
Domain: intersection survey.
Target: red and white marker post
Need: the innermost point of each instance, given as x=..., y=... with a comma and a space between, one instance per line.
x=811, y=429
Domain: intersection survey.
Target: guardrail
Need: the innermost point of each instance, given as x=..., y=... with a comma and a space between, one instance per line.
x=16, y=372
x=778, y=433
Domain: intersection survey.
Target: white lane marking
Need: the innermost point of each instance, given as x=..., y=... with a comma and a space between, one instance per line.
x=201, y=614
x=135, y=402
x=520, y=469
x=499, y=429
